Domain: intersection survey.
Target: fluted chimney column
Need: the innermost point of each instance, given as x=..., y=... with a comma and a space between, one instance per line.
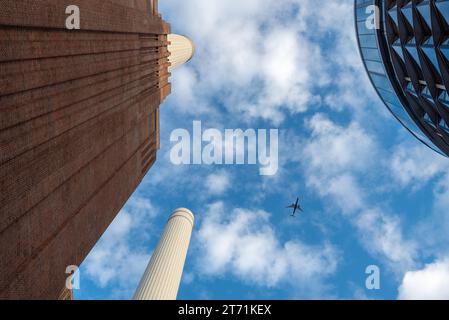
x=181, y=50
x=163, y=275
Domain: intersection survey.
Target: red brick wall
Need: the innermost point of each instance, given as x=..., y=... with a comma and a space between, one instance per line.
x=78, y=110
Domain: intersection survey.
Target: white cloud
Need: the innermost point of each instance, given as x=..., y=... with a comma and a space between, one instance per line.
x=272, y=67
x=218, y=183
x=263, y=62
x=334, y=148
x=441, y=195
x=429, y=283
x=381, y=234
x=344, y=190
x=116, y=260
x=269, y=56
x=334, y=161
x=414, y=165
x=420, y=169
x=244, y=243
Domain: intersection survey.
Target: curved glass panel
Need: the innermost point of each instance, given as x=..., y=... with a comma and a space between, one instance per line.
x=375, y=67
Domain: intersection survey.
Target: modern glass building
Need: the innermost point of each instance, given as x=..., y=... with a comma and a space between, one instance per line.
x=405, y=47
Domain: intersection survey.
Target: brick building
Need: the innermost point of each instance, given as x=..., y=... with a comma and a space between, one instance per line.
x=79, y=129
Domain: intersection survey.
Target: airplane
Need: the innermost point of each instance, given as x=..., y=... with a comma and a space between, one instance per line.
x=295, y=206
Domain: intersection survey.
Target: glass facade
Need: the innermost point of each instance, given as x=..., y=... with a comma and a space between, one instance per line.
x=405, y=47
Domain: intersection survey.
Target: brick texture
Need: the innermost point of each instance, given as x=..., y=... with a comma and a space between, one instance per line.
x=79, y=129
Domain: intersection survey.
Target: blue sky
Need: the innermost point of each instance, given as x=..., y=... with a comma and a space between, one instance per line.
x=372, y=194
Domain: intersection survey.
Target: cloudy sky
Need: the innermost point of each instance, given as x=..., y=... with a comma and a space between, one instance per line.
x=372, y=194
